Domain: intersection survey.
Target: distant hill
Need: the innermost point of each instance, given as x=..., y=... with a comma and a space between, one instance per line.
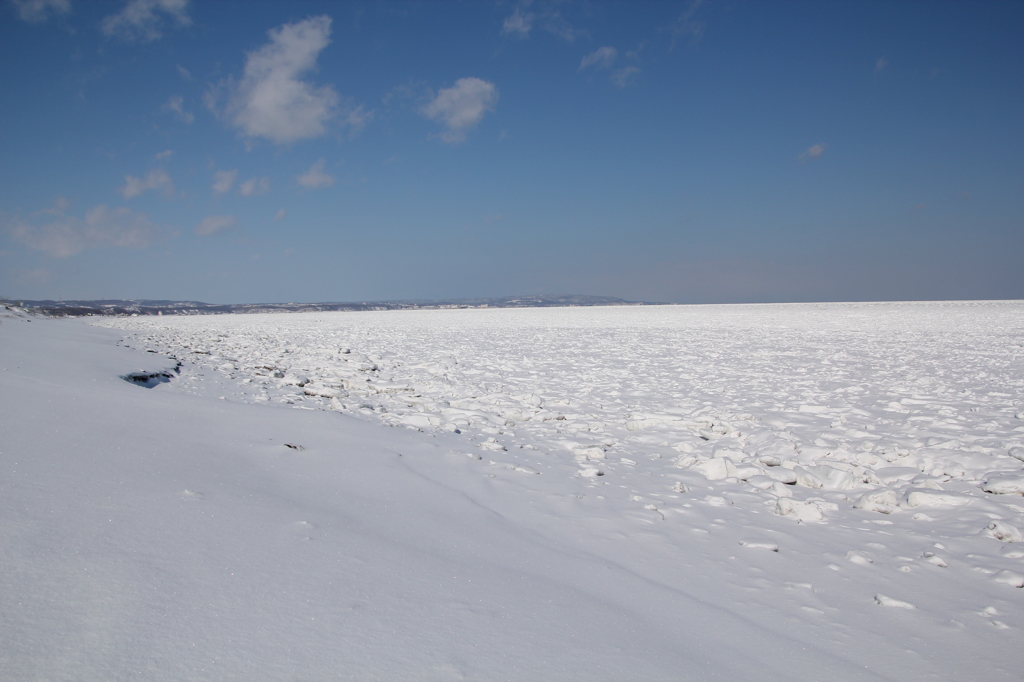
x=151, y=307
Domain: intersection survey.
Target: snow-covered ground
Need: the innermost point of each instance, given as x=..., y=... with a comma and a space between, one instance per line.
x=790, y=492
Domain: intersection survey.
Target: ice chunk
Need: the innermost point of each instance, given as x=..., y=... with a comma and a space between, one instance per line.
x=589, y=452
x=888, y=475
x=800, y=511
x=685, y=461
x=808, y=478
x=883, y=600
x=761, y=482
x=781, y=474
x=781, y=490
x=640, y=424
x=812, y=453
x=319, y=390
x=859, y=558
x=1011, y=578
x=935, y=498
x=420, y=421
x=746, y=472
x=1000, y=530
x=717, y=468
x=832, y=478
x=883, y=501
x=730, y=453
x=1004, y=484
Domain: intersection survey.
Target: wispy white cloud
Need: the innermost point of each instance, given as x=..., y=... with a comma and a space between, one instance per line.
x=357, y=118
x=223, y=181
x=605, y=58
x=601, y=58
x=214, y=224
x=281, y=213
x=272, y=101
x=813, y=152
x=58, y=239
x=144, y=20
x=60, y=235
x=461, y=107
x=556, y=24
x=38, y=11
x=881, y=63
x=544, y=14
x=176, y=105
x=620, y=77
x=165, y=154
x=519, y=23
x=315, y=177
x=119, y=227
x=155, y=179
x=254, y=186
x=184, y=73
x=686, y=25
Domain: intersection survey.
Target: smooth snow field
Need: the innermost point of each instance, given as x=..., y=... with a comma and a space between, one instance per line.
x=745, y=492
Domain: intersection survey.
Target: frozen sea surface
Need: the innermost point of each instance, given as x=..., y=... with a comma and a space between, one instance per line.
x=835, y=401
x=800, y=491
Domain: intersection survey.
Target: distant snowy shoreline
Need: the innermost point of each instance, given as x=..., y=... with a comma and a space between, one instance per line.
x=117, y=308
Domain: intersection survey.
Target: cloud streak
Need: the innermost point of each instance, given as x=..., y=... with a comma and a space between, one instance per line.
x=155, y=179
x=518, y=24
x=213, y=224
x=521, y=22
x=38, y=11
x=223, y=181
x=813, y=152
x=315, y=177
x=63, y=235
x=144, y=20
x=176, y=104
x=461, y=107
x=601, y=58
x=686, y=25
x=254, y=186
x=620, y=77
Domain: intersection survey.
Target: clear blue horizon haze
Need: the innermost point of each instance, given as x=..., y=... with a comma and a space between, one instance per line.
x=708, y=151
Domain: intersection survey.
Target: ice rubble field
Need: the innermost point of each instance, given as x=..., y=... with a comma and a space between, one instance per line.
x=803, y=409
x=800, y=491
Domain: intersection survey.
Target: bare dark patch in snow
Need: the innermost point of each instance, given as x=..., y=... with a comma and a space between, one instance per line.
x=151, y=379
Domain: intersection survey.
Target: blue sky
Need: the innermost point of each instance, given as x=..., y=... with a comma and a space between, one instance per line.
x=716, y=151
